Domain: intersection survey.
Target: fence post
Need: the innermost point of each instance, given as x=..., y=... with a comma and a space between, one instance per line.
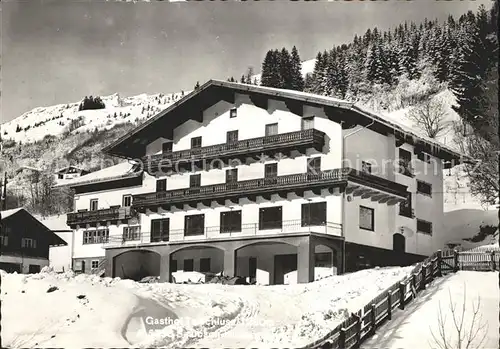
x=439, y=259
x=402, y=288
x=423, y=272
x=373, y=319
x=358, y=330
x=492, y=264
x=389, y=305
x=342, y=338
x=455, y=260
x=414, y=285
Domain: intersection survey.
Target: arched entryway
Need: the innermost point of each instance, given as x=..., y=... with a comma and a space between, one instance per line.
x=202, y=259
x=398, y=243
x=136, y=264
x=267, y=263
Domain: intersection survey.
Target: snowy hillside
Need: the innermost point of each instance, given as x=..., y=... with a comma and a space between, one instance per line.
x=55, y=120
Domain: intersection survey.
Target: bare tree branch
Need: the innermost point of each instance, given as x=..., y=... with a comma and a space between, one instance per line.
x=430, y=116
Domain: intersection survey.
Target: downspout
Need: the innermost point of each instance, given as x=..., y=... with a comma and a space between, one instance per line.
x=342, y=206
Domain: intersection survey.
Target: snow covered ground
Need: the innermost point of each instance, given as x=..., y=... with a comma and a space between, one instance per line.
x=414, y=327
x=87, y=311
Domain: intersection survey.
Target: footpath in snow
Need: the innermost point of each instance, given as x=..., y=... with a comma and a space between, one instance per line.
x=418, y=324
x=88, y=311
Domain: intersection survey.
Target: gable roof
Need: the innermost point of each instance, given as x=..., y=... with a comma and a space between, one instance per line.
x=120, y=171
x=54, y=239
x=132, y=145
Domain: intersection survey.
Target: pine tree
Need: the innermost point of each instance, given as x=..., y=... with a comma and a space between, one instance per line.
x=296, y=71
x=249, y=75
x=285, y=66
x=243, y=79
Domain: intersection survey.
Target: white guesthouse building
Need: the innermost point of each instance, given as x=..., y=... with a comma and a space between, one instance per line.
x=262, y=183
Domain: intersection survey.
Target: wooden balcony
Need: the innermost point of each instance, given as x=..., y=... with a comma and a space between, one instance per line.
x=243, y=150
x=112, y=214
x=250, y=189
x=354, y=182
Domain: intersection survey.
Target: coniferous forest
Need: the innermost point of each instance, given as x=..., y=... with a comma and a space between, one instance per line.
x=459, y=53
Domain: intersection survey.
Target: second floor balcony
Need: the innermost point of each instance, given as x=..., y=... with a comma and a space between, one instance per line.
x=358, y=183
x=112, y=214
x=238, y=150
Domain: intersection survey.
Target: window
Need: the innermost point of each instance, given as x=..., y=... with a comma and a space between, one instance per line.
x=230, y=221
x=196, y=142
x=166, y=147
x=366, y=218
x=232, y=136
x=270, y=218
x=271, y=129
x=161, y=185
x=405, y=163
x=194, y=225
x=96, y=236
x=60, y=176
x=314, y=165
x=94, y=205
x=28, y=243
x=366, y=167
x=195, y=181
x=252, y=267
x=424, y=226
x=232, y=175
x=131, y=233
x=34, y=268
x=4, y=240
x=405, y=208
x=205, y=265
x=424, y=188
x=188, y=265
x=233, y=113
x=94, y=264
x=314, y=214
x=424, y=157
x=160, y=229
x=307, y=123
x=271, y=170
x=127, y=200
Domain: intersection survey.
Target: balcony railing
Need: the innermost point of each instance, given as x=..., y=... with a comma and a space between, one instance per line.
x=243, y=188
x=259, y=145
x=107, y=214
x=245, y=230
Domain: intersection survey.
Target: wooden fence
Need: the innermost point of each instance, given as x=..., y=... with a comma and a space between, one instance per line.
x=363, y=323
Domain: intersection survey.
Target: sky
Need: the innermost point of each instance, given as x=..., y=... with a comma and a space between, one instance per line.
x=58, y=51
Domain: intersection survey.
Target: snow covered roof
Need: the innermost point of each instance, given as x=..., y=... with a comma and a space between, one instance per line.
x=8, y=213
x=116, y=172
x=132, y=144
x=55, y=223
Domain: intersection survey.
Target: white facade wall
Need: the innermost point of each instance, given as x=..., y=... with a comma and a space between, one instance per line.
x=216, y=123
x=106, y=198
